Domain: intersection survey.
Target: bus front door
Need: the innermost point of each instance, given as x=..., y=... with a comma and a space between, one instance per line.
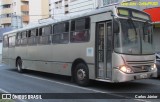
x=104, y=50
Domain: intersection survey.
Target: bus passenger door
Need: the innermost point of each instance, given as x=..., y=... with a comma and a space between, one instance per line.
x=103, y=50
x=108, y=49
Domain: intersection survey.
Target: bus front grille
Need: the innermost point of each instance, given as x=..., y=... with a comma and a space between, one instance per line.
x=141, y=66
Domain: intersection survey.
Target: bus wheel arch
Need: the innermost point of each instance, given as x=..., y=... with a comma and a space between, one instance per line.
x=19, y=64
x=80, y=67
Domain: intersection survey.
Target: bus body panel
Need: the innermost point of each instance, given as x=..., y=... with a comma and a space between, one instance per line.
x=11, y=52
x=122, y=77
x=5, y=55
x=142, y=62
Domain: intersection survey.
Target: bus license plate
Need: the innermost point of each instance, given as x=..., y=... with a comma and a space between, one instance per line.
x=143, y=76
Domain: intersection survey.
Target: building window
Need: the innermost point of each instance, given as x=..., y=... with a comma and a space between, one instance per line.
x=58, y=4
x=108, y=2
x=66, y=12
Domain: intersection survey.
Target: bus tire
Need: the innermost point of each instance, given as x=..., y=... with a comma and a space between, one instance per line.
x=81, y=74
x=19, y=65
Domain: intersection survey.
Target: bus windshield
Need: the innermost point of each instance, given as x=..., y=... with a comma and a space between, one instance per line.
x=135, y=37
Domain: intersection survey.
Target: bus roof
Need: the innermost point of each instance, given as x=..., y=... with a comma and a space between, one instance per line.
x=93, y=12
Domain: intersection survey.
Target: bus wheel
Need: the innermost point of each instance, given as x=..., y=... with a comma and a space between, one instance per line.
x=19, y=66
x=81, y=74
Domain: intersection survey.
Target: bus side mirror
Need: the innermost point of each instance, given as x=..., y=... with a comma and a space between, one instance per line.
x=115, y=26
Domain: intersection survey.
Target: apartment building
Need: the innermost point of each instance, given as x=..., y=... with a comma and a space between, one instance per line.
x=6, y=12
x=12, y=13
x=59, y=8
x=18, y=13
x=38, y=9
x=81, y=6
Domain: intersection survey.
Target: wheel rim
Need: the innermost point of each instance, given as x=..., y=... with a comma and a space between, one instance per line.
x=81, y=74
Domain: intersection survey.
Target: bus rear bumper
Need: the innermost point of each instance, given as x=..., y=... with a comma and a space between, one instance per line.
x=123, y=77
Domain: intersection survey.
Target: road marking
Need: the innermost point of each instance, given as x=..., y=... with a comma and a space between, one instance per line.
x=3, y=91
x=12, y=99
x=40, y=78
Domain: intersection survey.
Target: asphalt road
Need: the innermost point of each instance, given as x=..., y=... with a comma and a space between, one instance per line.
x=44, y=83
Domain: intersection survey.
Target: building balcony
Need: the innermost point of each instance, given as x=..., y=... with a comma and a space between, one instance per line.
x=6, y=20
x=25, y=18
x=6, y=11
x=24, y=8
x=5, y=2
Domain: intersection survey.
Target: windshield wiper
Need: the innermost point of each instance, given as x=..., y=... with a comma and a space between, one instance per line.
x=131, y=21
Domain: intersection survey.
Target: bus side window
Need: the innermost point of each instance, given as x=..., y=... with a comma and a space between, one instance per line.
x=24, y=38
x=12, y=41
x=32, y=37
x=45, y=35
x=61, y=33
x=40, y=31
x=5, y=41
x=80, y=30
x=72, y=25
x=18, y=39
x=65, y=35
x=87, y=23
x=29, y=33
x=56, y=35
x=36, y=32
x=47, y=30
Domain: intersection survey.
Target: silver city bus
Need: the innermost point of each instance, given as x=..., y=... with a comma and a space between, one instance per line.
x=111, y=44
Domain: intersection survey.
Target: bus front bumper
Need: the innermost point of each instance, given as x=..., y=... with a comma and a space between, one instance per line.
x=120, y=76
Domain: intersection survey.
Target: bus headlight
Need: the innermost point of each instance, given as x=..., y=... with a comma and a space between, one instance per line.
x=153, y=67
x=125, y=69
